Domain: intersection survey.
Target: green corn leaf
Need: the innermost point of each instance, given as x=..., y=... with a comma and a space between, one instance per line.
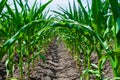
x=73, y=12
x=2, y=30
x=36, y=55
x=88, y=5
x=117, y=25
x=42, y=57
x=20, y=4
x=71, y=23
x=60, y=13
x=84, y=11
x=32, y=12
x=27, y=6
x=41, y=32
x=41, y=9
x=115, y=78
x=70, y=8
x=116, y=14
x=2, y=4
x=11, y=12
x=15, y=37
x=115, y=8
x=97, y=16
x=96, y=72
x=118, y=32
x=18, y=18
x=106, y=6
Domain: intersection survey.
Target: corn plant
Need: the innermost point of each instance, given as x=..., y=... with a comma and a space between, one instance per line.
x=95, y=38
x=82, y=28
x=2, y=32
x=116, y=14
x=23, y=23
x=27, y=31
x=2, y=4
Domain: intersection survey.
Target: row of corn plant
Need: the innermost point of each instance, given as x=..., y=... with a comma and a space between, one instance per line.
x=24, y=34
x=78, y=40
x=84, y=31
x=78, y=14
x=92, y=30
x=116, y=52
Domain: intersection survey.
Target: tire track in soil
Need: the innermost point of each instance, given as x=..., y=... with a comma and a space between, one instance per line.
x=58, y=66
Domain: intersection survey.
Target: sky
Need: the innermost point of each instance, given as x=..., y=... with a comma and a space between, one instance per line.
x=54, y=4
x=63, y=3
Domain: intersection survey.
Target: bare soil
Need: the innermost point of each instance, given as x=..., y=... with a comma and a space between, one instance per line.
x=59, y=65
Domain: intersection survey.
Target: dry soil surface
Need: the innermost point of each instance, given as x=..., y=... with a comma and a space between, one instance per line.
x=59, y=65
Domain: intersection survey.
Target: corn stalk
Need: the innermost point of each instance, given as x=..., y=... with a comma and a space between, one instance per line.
x=116, y=14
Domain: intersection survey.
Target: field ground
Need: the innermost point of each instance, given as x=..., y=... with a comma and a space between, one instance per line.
x=59, y=66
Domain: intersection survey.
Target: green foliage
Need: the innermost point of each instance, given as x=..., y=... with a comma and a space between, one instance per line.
x=21, y=26
x=2, y=4
x=93, y=28
x=116, y=14
x=27, y=32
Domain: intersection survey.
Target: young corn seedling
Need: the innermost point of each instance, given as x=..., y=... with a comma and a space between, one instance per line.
x=22, y=22
x=73, y=38
x=94, y=38
x=83, y=32
x=116, y=52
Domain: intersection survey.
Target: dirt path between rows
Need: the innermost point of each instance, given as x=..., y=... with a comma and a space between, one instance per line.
x=58, y=66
